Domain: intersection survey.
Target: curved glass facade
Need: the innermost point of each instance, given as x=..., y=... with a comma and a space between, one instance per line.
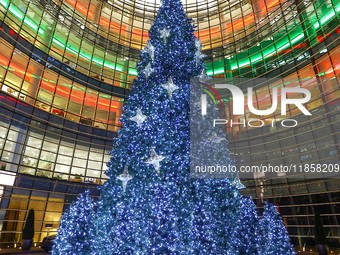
x=66, y=67
x=45, y=161
x=42, y=86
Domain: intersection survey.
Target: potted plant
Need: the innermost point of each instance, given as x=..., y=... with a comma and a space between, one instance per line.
x=28, y=231
x=77, y=178
x=58, y=177
x=320, y=236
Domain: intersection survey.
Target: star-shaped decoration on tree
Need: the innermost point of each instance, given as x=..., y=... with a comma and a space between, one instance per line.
x=148, y=71
x=150, y=49
x=203, y=77
x=215, y=139
x=198, y=44
x=139, y=118
x=198, y=56
x=170, y=87
x=237, y=182
x=165, y=33
x=124, y=177
x=155, y=160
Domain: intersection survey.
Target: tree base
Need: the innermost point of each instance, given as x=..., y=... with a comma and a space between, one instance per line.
x=26, y=244
x=322, y=249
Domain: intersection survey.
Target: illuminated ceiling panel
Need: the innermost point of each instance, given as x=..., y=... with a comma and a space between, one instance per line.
x=203, y=6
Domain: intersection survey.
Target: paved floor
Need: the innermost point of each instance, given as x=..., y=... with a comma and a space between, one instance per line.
x=311, y=251
x=38, y=251
x=30, y=253
x=34, y=250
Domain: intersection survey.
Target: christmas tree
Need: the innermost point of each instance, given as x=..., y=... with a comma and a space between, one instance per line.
x=246, y=233
x=77, y=231
x=274, y=234
x=151, y=204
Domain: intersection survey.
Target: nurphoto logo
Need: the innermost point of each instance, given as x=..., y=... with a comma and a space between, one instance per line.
x=238, y=105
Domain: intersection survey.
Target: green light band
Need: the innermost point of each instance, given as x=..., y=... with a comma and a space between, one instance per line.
x=4, y=3
x=326, y=18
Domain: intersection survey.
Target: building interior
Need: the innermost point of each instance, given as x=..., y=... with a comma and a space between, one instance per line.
x=66, y=67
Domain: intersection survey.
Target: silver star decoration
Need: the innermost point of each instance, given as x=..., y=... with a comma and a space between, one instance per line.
x=215, y=139
x=150, y=49
x=170, y=87
x=139, y=118
x=124, y=177
x=148, y=70
x=198, y=44
x=155, y=160
x=237, y=182
x=203, y=77
x=198, y=56
x=165, y=33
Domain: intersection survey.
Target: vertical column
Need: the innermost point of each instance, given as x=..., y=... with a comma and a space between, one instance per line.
x=223, y=21
x=48, y=25
x=36, y=70
x=16, y=150
x=49, y=22
x=95, y=11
